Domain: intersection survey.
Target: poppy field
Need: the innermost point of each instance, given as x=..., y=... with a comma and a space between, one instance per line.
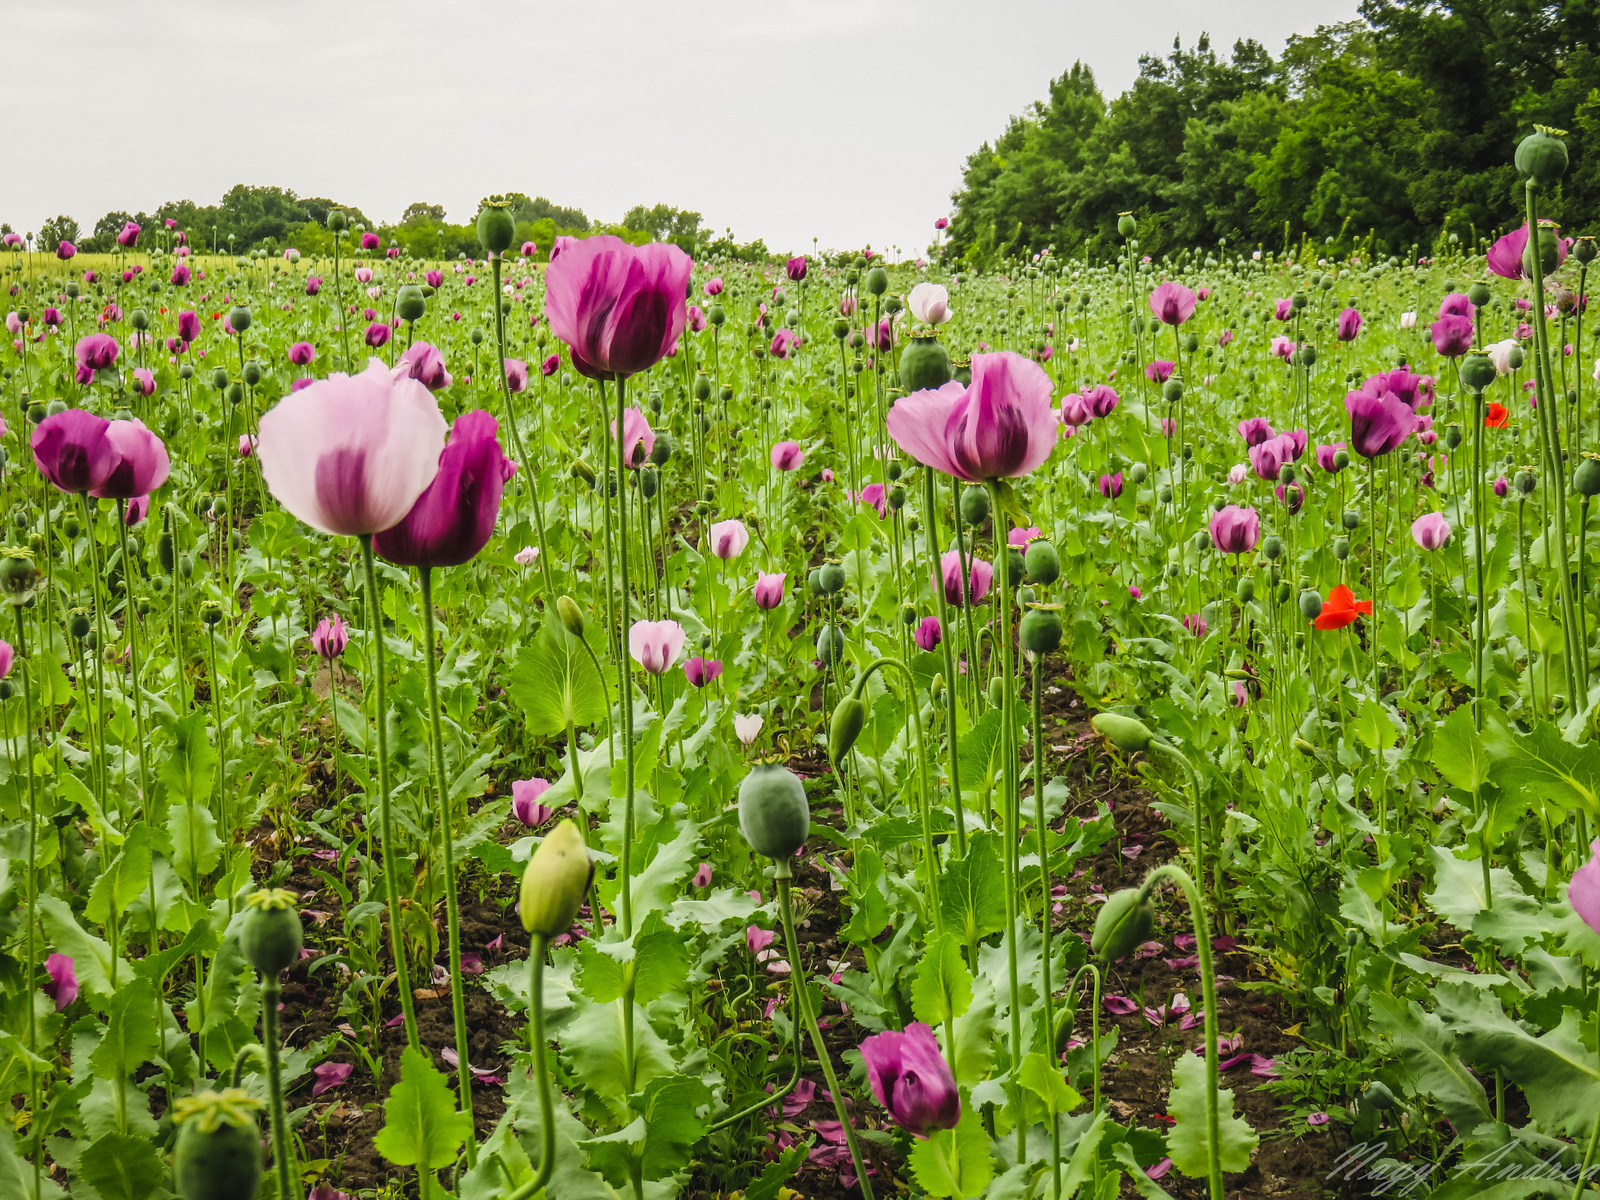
x=587, y=721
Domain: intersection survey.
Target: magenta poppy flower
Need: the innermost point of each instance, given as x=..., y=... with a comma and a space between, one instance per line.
x=330, y=1075
x=1378, y=423
x=783, y=343
x=1075, y=410
x=1158, y=371
x=1283, y=308
x=911, y=1079
x=1173, y=303
x=1020, y=538
x=941, y=222
x=1583, y=892
x=1349, y=324
x=140, y=466
x=434, y=279
x=128, y=236
x=928, y=633
x=1452, y=335
x=1501, y=486
x=188, y=325
x=1325, y=457
x=1414, y=391
x=72, y=451
x=1268, y=457
x=713, y=286
x=65, y=250
x=768, y=591
x=1456, y=304
x=301, y=353
x=1255, y=430
x=980, y=578
x=874, y=495
x=529, y=249
x=796, y=268
x=701, y=671
x=1102, y=400
x=97, y=352
x=516, y=375
x=1430, y=531
x=703, y=876
x=63, y=985
x=313, y=284
x=696, y=320
x=638, y=439
x=883, y=342
x=1195, y=624
x=1235, y=530
x=525, y=804
x=787, y=456
x=369, y=241
x=454, y=516
x=1224, y=338
x=425, y=364
x=350, y=454
x=1111, y=486
x=51, y=316
x=7, y=658
x=377, y=334
x=1505, y=257
x=620, y=308
x=330, y=637
x=1282, y=348
x=655, y=645
x=180, y=275
x=550, y=365
x=144, y=381
x=1003, y=425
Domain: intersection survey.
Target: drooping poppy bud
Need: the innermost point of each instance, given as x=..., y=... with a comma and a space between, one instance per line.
x=1124, y=923
x=1125, y=733
x=556, y=878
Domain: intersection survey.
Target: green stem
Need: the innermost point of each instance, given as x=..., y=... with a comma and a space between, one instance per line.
x=391, y=884
x=458, y=1001
x=31, y=953
x=952, y=731
x=271, y=992
x=541, y=1072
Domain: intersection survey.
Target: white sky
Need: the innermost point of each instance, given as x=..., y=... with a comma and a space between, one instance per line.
x=844, y=120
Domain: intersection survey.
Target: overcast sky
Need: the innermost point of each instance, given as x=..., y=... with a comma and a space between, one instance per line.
x=843, y=120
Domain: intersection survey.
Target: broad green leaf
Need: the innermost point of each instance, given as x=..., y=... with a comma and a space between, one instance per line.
x=1190, y=1136
x=121, y=1167
x=669, y=1131
x=954, y=1162
x=1142, y=1183
x=972, y=892
x=196, y=848
x=1044, y=1080
x=1458, y=751
x=593, y=1041
x=554, y=683
x=16, y=1172
x=1546, y=769
x=1375, y=727
x=191, y=762
x=975, y=1037
x=658, y=883
x=942, y=990
x=92, y=960
x=130, y=1038
x=74, y=791
x=121, y=883
x=1458, y=893
x=421, y=1127
x=654, y=963
x=1427, y=1051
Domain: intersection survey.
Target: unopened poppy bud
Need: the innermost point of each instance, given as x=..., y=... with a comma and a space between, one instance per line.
x=702, y=386
x=649, y=482
x=1246, y=589
x=571, y=616
x=583, y=471
x=1125, y=923
x=814, y=581
x=1524, y=482
x=1351, y=519
x=1378, y=1096
x=830, y=645
x=848, y=718
x=1125, y=733
x=554, y=883
x=936, y=688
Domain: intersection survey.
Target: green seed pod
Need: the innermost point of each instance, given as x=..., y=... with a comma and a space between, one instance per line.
x=1246, y=589
x=1310, y=605
x=1282, y=592
x=219, y=378
x=1583, y=249
x=211, y=612
x=774, y=815
x=78, y=623
x=1379, y=1097
x=410, y=304
x=1125, y=922
x=877, y=281
x=1341, y=548
x=139, y=319
x=496, y=229
x=1014, y=565
x=897, y=497
x=238, y=318
x=1125, y=733
x=997, y=692
x=1341, y=459
x=1549, y=252
x=1586, y=479
x=1127, y=226
x=571, y=616
x=832, y=577
x=18, y=575
x=1524, y=482
x=186, y=373
x=1164, y=495
x=1477, y=372
x=848, y=718
x=924, y=363
x=1138, y=473
x=1041, y=628
x=662, y=452
x=814, y=581
x=649, y=482
x=702, y=386
x=338, y=222
x=830, y=645
x=974, y=504
x=1272, y=547
x=252, y=373
x=270, y=935
x=1479, y=294
x=1042, y=563
x=1172, y=390
x=70, y=526
x=1351, y=519
x=554, y=883
x=1542, y=155
x=908, y=615
x=217, y=1155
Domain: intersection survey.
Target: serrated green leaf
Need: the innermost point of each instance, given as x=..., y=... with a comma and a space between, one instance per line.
x=1190, y=1136
x=1458, y=752
x=954, y=1162
x=130, y=1038
x=554, y=683
x=942, y=990
x=122, y=882
x=1044, y=1080
x=121, y=1167
x=421, y=1127
x=771, y=1180
x=1545, y=769
x=1427, y=1050
x=191, y=760
x=972, y=892
x=593, y=1041
x=196, y=848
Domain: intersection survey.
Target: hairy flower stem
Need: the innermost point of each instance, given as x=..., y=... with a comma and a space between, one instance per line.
x=391, y=884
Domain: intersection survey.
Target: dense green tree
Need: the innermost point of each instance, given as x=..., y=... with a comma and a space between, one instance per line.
x=57, y=230
x=667, y=224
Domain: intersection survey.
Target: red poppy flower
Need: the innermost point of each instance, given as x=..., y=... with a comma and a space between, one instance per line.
x=1341, y=609
x=1496, y=417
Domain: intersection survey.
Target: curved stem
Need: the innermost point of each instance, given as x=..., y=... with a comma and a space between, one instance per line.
x=391, y=884
x=458, y=1001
